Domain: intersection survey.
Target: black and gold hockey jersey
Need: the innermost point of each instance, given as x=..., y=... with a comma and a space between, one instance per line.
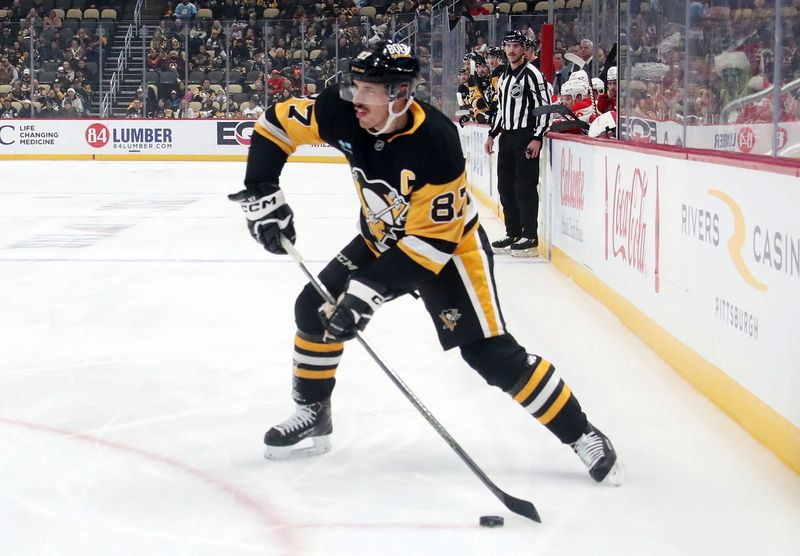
x=496, y=73
x=415, y=209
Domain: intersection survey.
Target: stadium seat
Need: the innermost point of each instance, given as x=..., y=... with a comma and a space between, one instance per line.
x=271, y=13
x=47, y=76
x=522, y=7
x=197, y=76
x=311, y=88
x=234, y=88
x=91, y=13
x=4, y=14
x=314, y=54
x=5, y=89
x=235, y=76
x=239, y=98
x=367, y=11
x=59, y=12
x=559, y=4
x=196, y=106
x=205, y=13
x=168, y=78
x=587, y=4
x=109, y=14
x=489, y=7
x=74, y=13
x=216, y=77
x=152, y=77
x=252, y=76
x=503, y=8
x=298, y=54
x=573, y=4
x=16, y=105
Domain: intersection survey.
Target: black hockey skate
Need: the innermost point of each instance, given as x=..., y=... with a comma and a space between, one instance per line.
x=525, y=247
x=311, y=421
x=502, y=246
x=596, y=452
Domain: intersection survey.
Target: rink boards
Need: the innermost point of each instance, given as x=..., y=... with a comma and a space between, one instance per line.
x=698, y=254
x=139, y=140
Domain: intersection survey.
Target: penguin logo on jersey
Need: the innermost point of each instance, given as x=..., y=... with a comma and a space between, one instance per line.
x=383, y=207
x=450, y=318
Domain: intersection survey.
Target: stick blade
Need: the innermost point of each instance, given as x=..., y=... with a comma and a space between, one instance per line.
x=521, y=507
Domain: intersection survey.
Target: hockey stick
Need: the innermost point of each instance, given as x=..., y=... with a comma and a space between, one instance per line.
x=516, y=505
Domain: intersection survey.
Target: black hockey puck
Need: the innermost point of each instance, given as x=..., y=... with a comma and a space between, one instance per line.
x=491, y=521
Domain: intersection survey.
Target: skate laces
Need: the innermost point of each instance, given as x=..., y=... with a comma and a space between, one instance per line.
x=590, y=448
x=304, y=417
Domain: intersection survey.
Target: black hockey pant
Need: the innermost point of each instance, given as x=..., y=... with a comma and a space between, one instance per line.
x=517, y=180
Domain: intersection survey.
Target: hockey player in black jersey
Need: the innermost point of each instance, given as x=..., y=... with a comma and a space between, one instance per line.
x=419, y=231
x=494, y=59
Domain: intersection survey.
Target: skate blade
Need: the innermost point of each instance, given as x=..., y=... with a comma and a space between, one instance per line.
x=532, y=252
x=321, y=445
x=616, y=475
x=501, y=250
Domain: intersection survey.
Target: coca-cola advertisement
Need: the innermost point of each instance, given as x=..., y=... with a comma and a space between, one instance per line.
x=632, y=217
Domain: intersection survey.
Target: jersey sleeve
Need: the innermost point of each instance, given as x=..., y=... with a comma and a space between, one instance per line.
x=280, y=130
x=289, y=124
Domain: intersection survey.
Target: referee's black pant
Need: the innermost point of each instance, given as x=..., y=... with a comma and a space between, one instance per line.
x=517, y=180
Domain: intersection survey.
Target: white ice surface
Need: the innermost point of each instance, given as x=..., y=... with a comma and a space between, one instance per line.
x=145, y=347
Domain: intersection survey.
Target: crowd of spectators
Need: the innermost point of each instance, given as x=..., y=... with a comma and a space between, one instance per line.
x=729, y=48
x=244, y=55
x=64, y=55
x=238, y=64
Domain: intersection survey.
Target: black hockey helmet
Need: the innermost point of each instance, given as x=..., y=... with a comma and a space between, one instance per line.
x=494, y=51
x=515, y=37
x=387, y=62
x=480, y=60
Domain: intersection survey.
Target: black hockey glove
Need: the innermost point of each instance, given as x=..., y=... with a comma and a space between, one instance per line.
x=352, y=311
x=268, y=216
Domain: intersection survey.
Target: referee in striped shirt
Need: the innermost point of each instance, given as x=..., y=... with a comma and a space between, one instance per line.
x=521, y=88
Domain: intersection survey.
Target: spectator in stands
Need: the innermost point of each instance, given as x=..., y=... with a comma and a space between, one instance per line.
x=135, y=109
x=72, y=99
x=229, y=11
x=173, y=102
x=8, y=73
x=68, y=111
x=185, y=111
x=185, y=11
x=168, y=12
x=48, y=111
x=251, y=110
x=50, y=52
x=8, y=111
x=27, y=109
x=69, y=71
x=6, y=38
x=160, y=110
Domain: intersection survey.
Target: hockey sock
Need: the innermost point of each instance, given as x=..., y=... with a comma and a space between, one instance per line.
x=545, y=396
x=315, y=364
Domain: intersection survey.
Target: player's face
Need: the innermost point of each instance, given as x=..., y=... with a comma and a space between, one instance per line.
x=566, y=100
x=514, y=52
x=493, y=61
x=483, y=70
x=612, y=89
x=371, y=103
